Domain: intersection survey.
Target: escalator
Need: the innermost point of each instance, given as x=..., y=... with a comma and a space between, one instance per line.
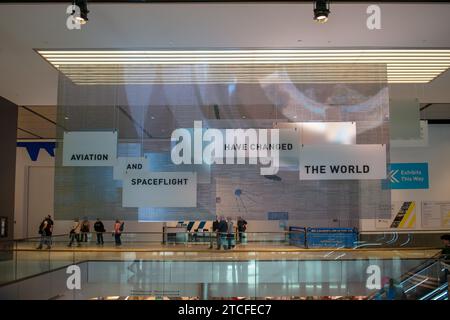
x=425, y=282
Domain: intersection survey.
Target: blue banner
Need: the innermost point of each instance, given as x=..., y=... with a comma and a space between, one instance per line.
x=331, y=237
x=408, y=176
x=33, y=148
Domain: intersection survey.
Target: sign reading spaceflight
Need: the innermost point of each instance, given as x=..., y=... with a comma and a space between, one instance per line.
x=408, y=176
x=89, y=149
x=343, y=162
x=159, y=189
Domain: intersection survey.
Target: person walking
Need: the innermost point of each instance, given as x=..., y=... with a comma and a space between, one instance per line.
x=118, y=229
x=99, y=228
x=85, y=228
x=230, y=233
x=75, y=233
x=242, y=227
x=45, y=230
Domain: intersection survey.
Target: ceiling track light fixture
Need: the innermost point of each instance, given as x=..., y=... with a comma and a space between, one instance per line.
x=82, y=18
x=321, y=10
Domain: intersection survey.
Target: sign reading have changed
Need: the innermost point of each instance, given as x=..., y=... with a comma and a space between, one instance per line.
x=343, y=162
x=159, y=189
x=89, y=149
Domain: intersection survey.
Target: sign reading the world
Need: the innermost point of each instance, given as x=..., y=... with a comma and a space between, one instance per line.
x=343, y=162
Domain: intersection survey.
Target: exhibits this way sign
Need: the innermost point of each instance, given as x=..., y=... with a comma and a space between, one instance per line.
x=160, y=189
x=342, y=162
x=90, y=149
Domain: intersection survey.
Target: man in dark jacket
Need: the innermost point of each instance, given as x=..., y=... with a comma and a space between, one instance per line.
x=46, y=230
x=99, y=228
x=242, y=227
x=215, y=228
x=222, y=231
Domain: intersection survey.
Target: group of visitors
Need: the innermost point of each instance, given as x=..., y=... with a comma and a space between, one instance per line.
x=225, y=232
x=79, y=232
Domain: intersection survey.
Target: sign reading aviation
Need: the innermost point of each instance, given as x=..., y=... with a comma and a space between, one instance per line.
x=90, y=149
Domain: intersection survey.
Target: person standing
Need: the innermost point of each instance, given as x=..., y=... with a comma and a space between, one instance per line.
x=215, y=230
x=45, y=230
x=230, y=233
x=75, y=233
x=99, y=228
x=242, y=227
x=445, y=255
x=85, y=228
x=118, y=229
x=222, y=233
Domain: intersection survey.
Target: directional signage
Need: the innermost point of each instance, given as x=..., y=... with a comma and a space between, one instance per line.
x=408, y=176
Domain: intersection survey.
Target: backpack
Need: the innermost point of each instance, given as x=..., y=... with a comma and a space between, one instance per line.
x=121, y=226
x=41, y=227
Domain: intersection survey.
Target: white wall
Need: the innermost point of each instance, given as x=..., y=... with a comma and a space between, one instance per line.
x=23, y=164
x=437, y=154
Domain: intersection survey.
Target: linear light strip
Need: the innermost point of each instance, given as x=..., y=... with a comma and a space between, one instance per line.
x=255, y=51
x=125, y=72
x=447, y=64
x=316, y=65
x=280, y=60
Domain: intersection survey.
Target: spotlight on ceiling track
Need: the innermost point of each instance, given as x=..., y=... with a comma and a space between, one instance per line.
x=83, y=17
x=321, y=10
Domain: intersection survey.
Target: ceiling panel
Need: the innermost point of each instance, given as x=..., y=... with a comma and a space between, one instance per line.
x=37, y=122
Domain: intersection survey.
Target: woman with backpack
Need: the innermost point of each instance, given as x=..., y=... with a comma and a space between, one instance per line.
x=75, y=233
x=118, y=228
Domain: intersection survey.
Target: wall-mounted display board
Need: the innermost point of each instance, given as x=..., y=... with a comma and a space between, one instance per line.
x=403, y=216
x=3, y=227
x=436, y=214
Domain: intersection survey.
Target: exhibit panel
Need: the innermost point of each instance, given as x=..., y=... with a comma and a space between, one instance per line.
x=243, y=136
